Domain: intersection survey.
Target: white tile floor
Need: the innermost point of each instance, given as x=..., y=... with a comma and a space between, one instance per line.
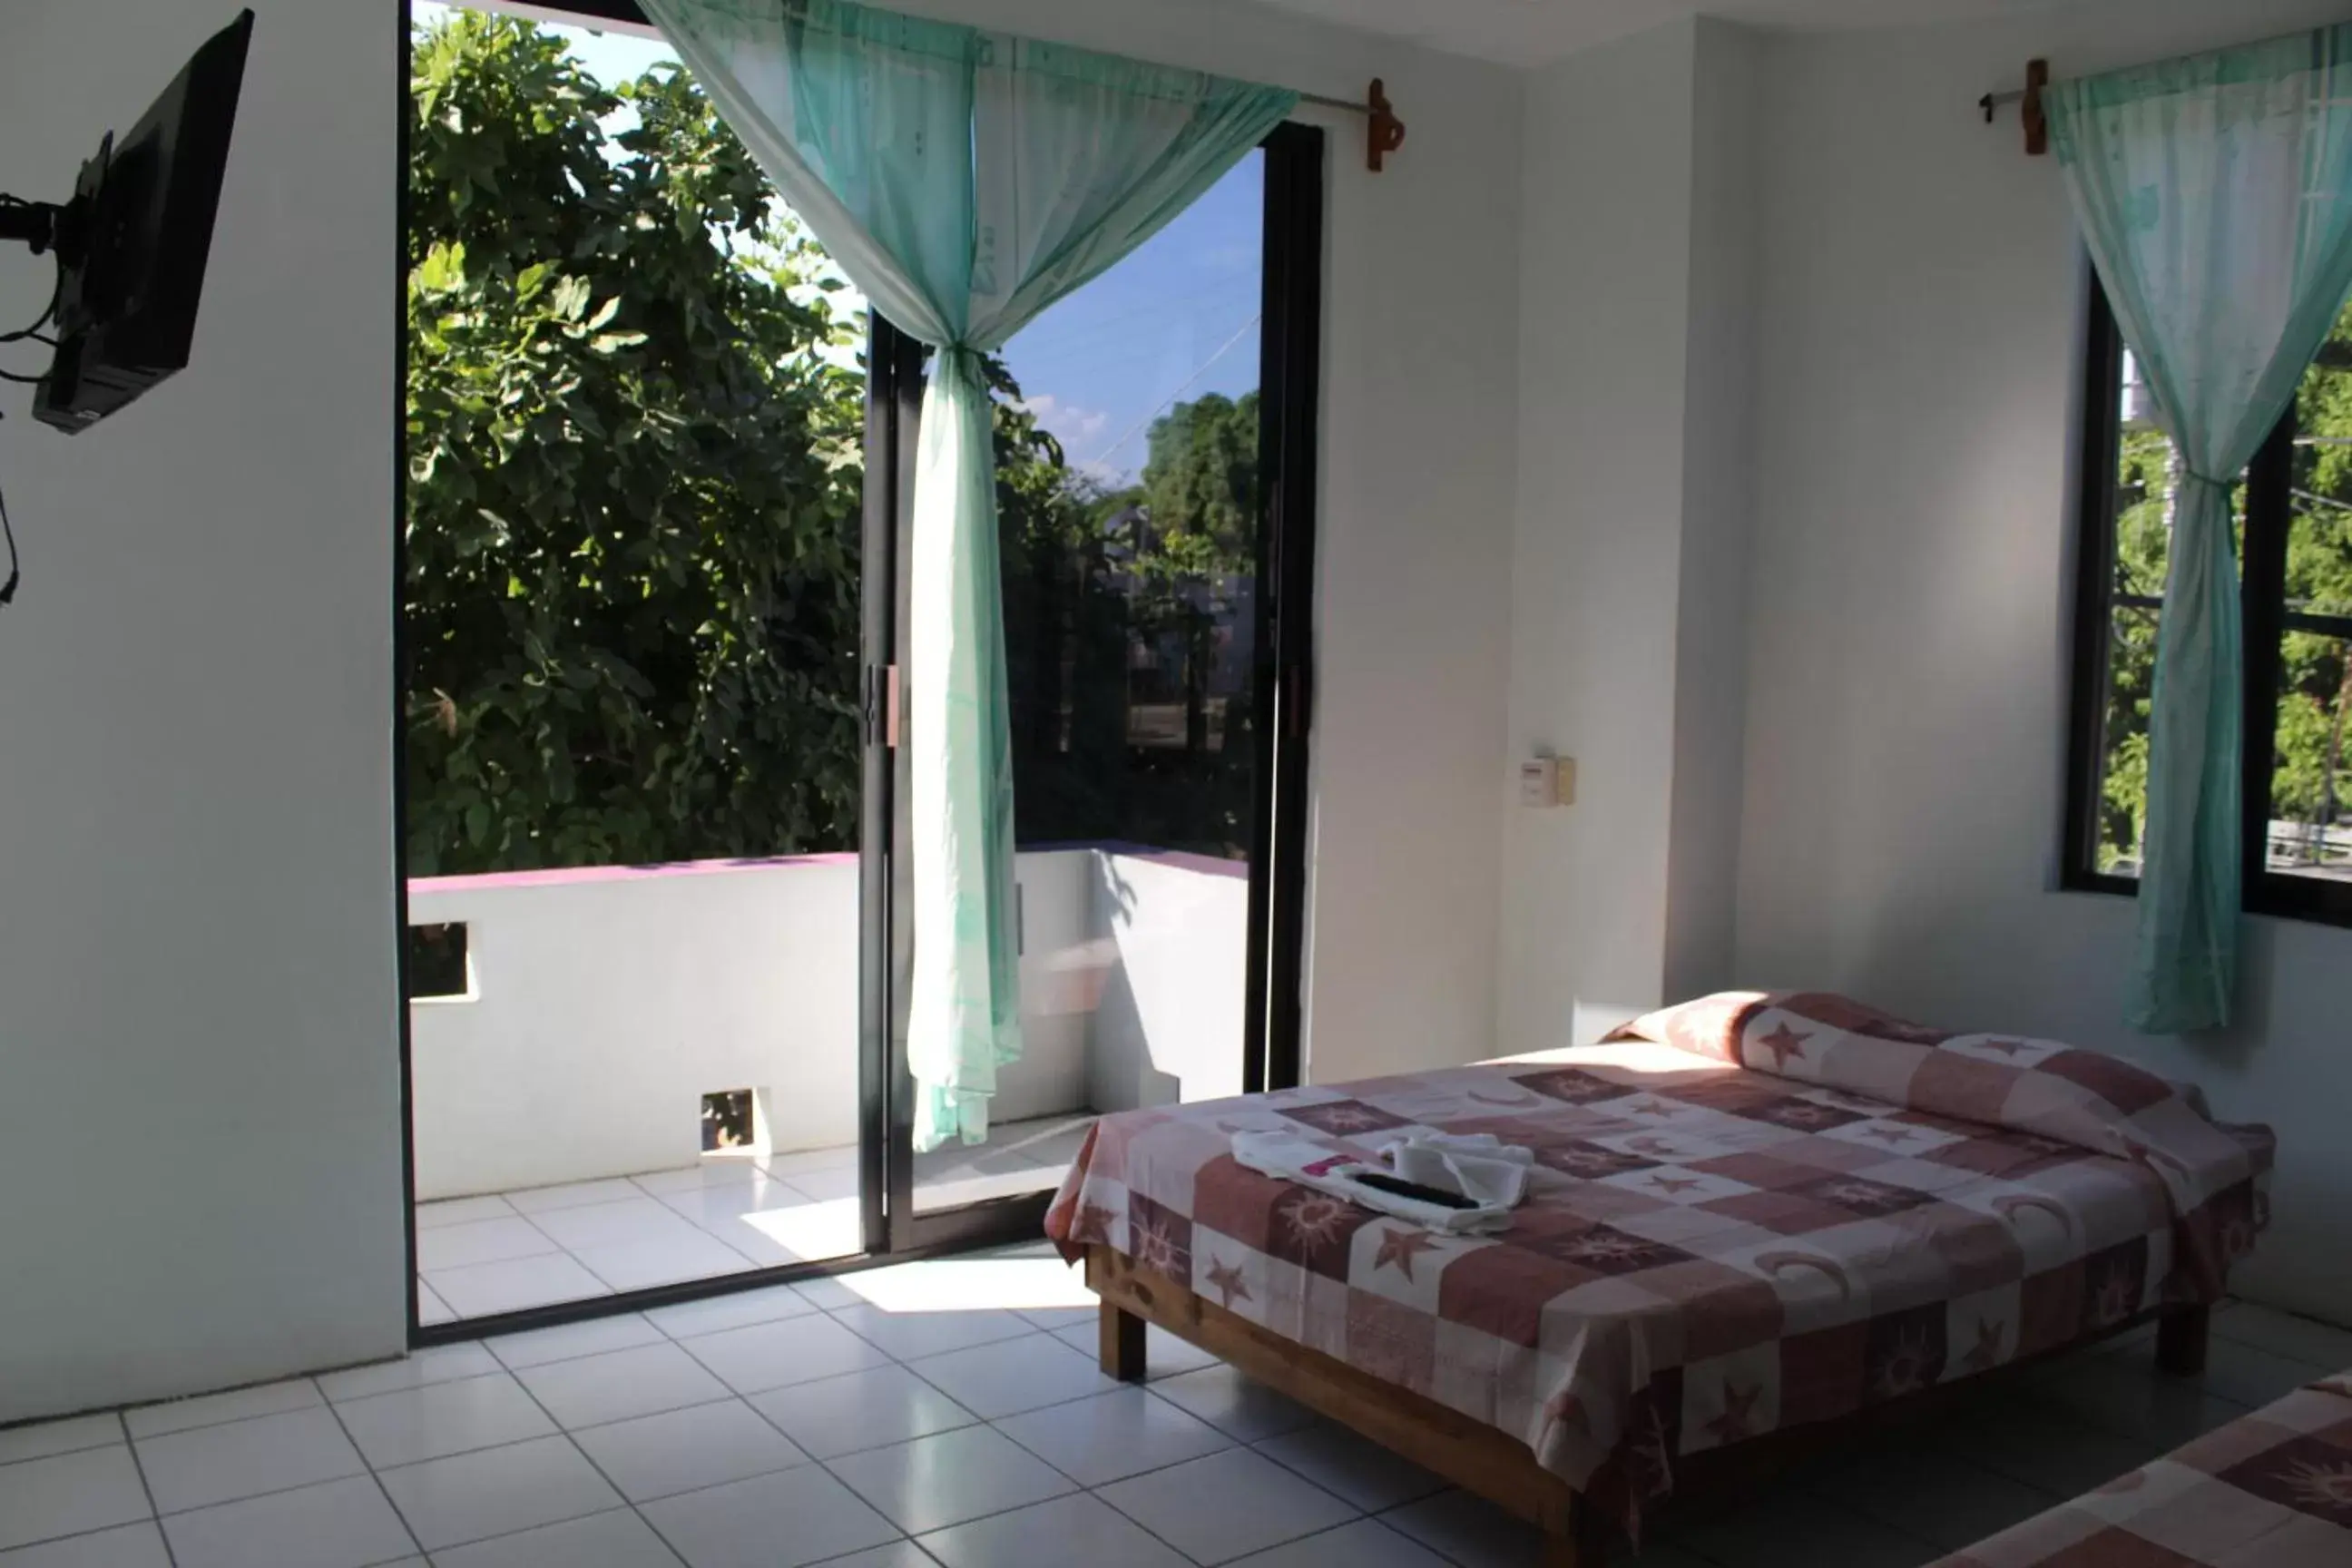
x=504, y=1252
x=932, y=1416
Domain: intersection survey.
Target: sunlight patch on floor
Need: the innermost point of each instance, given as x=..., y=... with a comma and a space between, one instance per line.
x=972, y=1284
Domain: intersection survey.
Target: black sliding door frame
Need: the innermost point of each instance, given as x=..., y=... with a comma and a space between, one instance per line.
x=1289, y=405
x=890, y=1228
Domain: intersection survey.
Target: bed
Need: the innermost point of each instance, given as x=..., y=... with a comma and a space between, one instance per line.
x=1750, y=1216
x=2271, y=1490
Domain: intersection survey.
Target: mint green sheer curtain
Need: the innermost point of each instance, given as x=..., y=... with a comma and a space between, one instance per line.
x=2215, y=193
x=965, y=181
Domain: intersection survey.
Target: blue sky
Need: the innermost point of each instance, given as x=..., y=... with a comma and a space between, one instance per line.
x=1173, y=320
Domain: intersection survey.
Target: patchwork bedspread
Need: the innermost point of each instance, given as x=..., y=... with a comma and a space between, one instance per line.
x=1752, y=1213
x=2273, y=1490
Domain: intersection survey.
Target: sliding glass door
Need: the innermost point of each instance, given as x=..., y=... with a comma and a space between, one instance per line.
x=1153, y=433
x=657, y=473
x=629, y=573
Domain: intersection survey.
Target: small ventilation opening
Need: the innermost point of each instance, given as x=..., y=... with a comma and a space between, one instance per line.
x=436, y=961
x=726, y=1119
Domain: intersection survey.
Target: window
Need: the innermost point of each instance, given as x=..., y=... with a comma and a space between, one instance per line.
x=2294, y=525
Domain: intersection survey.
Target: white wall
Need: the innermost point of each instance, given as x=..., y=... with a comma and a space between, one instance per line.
x=199, y=1094
x=1919, y=323
x=1718, y=472
x=1627, y=575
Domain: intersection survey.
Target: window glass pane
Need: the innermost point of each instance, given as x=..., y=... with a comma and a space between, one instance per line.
x=2311, y=820
x=2319, y=545
x=2147, y=474
x=631, y=578
x=1127, y=426
x=2123, y=752
x=2310, y=825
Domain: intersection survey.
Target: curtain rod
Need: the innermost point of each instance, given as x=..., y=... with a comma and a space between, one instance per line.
x=1383, y=131
x=2028, y=99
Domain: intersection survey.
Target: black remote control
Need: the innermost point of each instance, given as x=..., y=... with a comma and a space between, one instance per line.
x=1405, y=1189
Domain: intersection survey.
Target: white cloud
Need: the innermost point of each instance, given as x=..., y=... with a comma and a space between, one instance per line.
x=1071, y=425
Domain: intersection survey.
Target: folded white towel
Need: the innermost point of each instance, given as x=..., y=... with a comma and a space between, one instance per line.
x=1493, y=1184
x=1478, y=1165
x=1485, y=1145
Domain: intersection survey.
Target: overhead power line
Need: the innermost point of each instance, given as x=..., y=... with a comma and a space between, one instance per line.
x=1198, y=372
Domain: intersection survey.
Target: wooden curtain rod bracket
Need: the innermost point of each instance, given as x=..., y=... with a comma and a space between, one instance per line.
x=1383, y=131
x=2037, y=125
x=2031, y=112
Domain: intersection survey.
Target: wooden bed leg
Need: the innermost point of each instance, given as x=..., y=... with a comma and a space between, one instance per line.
x=1121, y=1343
x=1574, y=1535
x=2181, y=1341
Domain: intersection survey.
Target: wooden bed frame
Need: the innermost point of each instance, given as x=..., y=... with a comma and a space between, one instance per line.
x=1473, y=1456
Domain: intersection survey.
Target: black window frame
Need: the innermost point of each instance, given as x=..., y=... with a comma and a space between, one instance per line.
x=2266, y=617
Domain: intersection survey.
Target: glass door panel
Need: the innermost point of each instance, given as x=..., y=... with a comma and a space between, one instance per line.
x=1157, y=690
x=629, y=618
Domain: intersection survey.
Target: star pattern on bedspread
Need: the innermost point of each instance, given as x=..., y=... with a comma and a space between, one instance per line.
x=1985, y=1354
x=1401, y=1248
x=1225, y=1279
x=1784, y=1042
x=1738, y=1413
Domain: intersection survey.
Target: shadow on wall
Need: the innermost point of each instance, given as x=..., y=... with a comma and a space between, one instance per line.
x=1168, y=1025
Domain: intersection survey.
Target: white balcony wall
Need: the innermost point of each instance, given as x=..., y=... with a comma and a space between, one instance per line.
x=1169, y=1025
x=605, y=1002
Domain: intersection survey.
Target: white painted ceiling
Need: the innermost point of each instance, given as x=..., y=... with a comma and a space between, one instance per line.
x=1531, y=32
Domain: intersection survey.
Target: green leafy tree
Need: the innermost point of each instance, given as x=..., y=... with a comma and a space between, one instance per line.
x=635, y=448
x=1197, y=540
x=632, y=565
x=1127, y=620
x=2144, y=482
x=2315, y=676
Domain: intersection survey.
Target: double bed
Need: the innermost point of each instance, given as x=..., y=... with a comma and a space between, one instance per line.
x=1748, y=1216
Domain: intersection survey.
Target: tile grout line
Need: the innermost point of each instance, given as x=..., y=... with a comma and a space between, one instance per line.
x=589, y=1460
x=978, y=1422
x=494, y=1219
x=369, y=1466
x=138, y=1468
x=1081, y=1489
x=124, y=1412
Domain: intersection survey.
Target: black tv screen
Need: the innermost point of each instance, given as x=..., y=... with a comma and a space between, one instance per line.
x=131, y=244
